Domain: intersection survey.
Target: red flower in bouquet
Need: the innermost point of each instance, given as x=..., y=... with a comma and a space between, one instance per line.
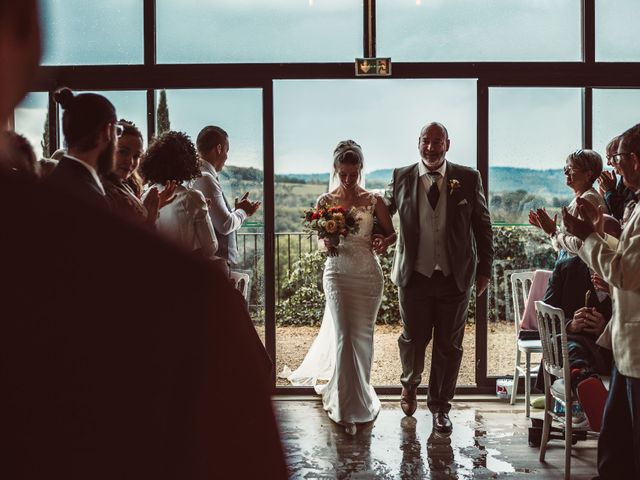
x=331, y=221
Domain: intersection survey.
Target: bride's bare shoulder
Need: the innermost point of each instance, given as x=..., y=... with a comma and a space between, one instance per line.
x=325, y=198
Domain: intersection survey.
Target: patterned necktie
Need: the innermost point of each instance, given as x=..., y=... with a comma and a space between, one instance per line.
x=434, y=193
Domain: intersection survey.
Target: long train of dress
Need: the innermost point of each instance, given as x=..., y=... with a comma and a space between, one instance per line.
x=343, y=350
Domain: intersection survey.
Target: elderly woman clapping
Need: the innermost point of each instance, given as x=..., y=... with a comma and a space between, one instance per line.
x=582, y=168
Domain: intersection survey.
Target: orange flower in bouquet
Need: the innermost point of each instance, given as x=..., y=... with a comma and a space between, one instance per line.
x=331, y=221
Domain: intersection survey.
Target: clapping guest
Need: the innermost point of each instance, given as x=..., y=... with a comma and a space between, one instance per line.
x=213, y=147
x=582, y=168
x=172, y=157
x=615, y=193
x=121, y=197
x=619, y=441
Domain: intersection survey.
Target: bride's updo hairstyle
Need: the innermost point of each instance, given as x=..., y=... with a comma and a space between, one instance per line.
x=83, y=117
x=348, y=152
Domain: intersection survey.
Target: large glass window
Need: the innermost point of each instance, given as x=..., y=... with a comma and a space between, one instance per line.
x=78, y=32
x=616, y=31
x=614, y=110
x=239, y=113
x=531, y=132
x=130, y=106
x=30, y=120
x=385, y=117
x=243, y=31
x=468, y=30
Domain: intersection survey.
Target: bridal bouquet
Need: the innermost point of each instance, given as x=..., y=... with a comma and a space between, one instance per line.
x=331, y=222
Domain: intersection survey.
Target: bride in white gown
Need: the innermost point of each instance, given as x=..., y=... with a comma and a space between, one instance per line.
x=343, y=350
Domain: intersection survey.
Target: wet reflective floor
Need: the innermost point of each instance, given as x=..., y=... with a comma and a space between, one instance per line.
x=489, y=440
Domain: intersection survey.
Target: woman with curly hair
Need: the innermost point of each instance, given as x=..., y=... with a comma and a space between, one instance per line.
x=122, y=198
x=172, y=157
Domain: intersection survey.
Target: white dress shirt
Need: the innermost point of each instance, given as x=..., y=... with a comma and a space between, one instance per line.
x=186, y=221
x=225, y=220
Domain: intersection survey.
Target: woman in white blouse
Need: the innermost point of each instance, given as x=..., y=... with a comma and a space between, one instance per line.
x=582, y=168
x=172, y=157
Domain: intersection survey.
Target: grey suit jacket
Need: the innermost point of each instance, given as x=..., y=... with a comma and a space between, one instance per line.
x=469, y=235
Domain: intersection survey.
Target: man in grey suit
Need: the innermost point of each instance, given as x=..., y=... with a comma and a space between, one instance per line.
x=213, y=148
x=445, y=243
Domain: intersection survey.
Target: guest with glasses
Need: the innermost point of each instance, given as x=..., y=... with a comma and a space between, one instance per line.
x=581, y=170
x=619, y=441
x=616, y=194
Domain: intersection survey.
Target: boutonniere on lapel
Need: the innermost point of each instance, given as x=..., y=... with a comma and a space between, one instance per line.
x=454, y=185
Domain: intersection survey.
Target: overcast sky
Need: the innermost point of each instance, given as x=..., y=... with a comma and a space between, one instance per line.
x=536, y=128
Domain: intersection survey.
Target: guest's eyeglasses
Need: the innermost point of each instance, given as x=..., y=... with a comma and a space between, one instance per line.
x=119, y=129
x=571, y=170
x=617, y=158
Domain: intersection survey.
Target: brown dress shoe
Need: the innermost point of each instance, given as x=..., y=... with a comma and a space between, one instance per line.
x=442, y=423
x=408, y=400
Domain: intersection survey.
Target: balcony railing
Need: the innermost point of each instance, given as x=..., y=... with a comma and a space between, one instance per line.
x=518, y=248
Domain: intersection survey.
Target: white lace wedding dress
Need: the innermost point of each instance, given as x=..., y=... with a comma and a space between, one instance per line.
x=343, y=350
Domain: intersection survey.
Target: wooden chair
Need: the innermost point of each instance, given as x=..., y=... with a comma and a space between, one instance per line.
x=555, y=361
x=520, y=286
x=241, y=282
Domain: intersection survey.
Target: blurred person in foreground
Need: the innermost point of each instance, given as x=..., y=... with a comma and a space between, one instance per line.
x=94, y=388
x=619, y=441
x=23, y=160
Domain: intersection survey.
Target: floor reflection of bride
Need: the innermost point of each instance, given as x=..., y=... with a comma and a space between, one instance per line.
x=342, y=353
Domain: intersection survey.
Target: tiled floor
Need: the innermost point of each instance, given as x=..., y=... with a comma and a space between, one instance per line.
x=489, y=440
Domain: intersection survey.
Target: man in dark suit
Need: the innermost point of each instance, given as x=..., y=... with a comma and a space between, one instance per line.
x=445, y=243
x=90, y=128
x=106, y=374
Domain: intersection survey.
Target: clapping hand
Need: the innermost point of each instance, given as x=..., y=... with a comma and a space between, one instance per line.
x=541, y=219
x=168, y=194
x=607, y=181
x=594, y=220
x=248, y=206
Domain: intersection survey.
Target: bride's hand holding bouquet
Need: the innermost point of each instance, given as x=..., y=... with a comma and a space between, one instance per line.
x=331, y=223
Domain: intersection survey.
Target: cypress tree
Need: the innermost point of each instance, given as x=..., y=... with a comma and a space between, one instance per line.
x=163, y=114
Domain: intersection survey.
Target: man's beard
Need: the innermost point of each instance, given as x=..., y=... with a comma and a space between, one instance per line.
x=106, y=159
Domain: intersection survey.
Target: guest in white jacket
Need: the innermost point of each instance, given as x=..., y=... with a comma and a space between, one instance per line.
x=172, y=157
x=213, y=147
x=619, y=441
